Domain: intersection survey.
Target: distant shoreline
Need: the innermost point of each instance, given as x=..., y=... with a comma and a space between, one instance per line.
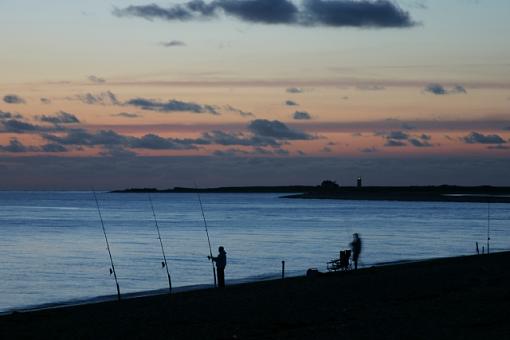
x=443, y=193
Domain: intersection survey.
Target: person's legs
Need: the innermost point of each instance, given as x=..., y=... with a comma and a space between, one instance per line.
x=221, y=277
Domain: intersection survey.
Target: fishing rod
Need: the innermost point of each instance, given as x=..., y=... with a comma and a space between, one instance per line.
x=488, y=225
x=164, y=263
x=207, y=233
x=112, y=269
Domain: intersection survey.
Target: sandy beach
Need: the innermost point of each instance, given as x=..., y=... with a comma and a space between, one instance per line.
x=455, y=298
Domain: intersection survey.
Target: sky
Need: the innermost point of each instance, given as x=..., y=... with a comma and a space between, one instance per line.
x=137, y=93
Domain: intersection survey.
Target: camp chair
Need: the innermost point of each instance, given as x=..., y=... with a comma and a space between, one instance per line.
x=342, y=263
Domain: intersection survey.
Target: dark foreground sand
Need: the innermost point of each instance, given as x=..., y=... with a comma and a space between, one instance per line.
x=458, y=298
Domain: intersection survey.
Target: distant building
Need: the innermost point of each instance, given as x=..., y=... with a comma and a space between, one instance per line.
x=360, y=182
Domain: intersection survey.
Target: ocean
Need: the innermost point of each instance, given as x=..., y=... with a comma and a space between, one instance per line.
x=53, y=250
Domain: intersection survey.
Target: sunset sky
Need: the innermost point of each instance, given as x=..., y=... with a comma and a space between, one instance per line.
x=131, y=93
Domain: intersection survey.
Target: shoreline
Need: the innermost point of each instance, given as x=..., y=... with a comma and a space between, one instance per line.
x=458, y=297
x=182, y=289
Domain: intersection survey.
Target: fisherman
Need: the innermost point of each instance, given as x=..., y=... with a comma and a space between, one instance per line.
x=356, y=249
x=221, y=263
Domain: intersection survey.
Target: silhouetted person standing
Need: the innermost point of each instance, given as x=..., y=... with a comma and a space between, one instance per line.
x=221, y=263
x=356, y=249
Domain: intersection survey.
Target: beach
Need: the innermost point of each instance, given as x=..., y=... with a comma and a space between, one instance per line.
x=455, y=298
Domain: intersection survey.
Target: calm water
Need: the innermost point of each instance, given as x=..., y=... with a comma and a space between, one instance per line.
x=52, y=247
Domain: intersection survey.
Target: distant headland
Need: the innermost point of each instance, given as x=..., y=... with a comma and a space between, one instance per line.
x=331, y=190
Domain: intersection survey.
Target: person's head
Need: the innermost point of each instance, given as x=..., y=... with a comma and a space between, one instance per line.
x=355, y=236
x=221, y=249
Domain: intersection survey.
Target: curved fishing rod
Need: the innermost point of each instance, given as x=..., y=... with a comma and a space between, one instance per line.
x=207, y=233
x=165, y=264
x=112, y=270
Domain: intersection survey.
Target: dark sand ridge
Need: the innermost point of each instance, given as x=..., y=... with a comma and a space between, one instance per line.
x=455, y=298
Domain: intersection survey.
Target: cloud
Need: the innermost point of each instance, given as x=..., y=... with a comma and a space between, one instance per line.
x=397, y=135
x=126, y=115
x=18, y=126
x=332, y=13
x=295, y=90
x=394, y=143
x=8, y=115
x=440, y=90
x=96, y=80
x=478, y=138
x=15, y=146
x=228, y=138
x=103, y=98
x=117, y=152
x=302, y=115
x=110, y=138
x=278, y=130
x=419, y=143
x=370, y=87
x=171, y=106
x=45, y=100
x=173, y=43
x=13, y=99
x=407, y=126
x=238, y=111
x=291, y=103
x=232, y=152
x=53, y=148
x=61, y=117
x=369, y=150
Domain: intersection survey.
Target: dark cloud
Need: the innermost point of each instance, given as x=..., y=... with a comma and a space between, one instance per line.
x=478, y=138
x=440, y=90
x=333, y=13
x=425, y=137
x=327, y=149
x=436, y=89
x=13, y=99
x=419, y=143
x=364, y=13
x=369, y=150
x=241, y=139
x=110, y=138
x=407, y=126
x=295, y=90
x=301, y=115
x=239, y=111
x=126, y=115
x=116, y=151
x=18, y=126
x=397, y=135
x=53, y=148
x=394, y=143
x=45, y=100
x=291, y=103
x=276, y=129
x=61, y=117
x=96, y=79
x=171, y=106
x=103, y=98
x=15, y=146
x=155, y=142
x=232, y=152
x=173, y=43
x=9, y=115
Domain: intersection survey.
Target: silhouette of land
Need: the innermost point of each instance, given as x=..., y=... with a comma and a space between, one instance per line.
x=455, y=298
x=330, y=190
